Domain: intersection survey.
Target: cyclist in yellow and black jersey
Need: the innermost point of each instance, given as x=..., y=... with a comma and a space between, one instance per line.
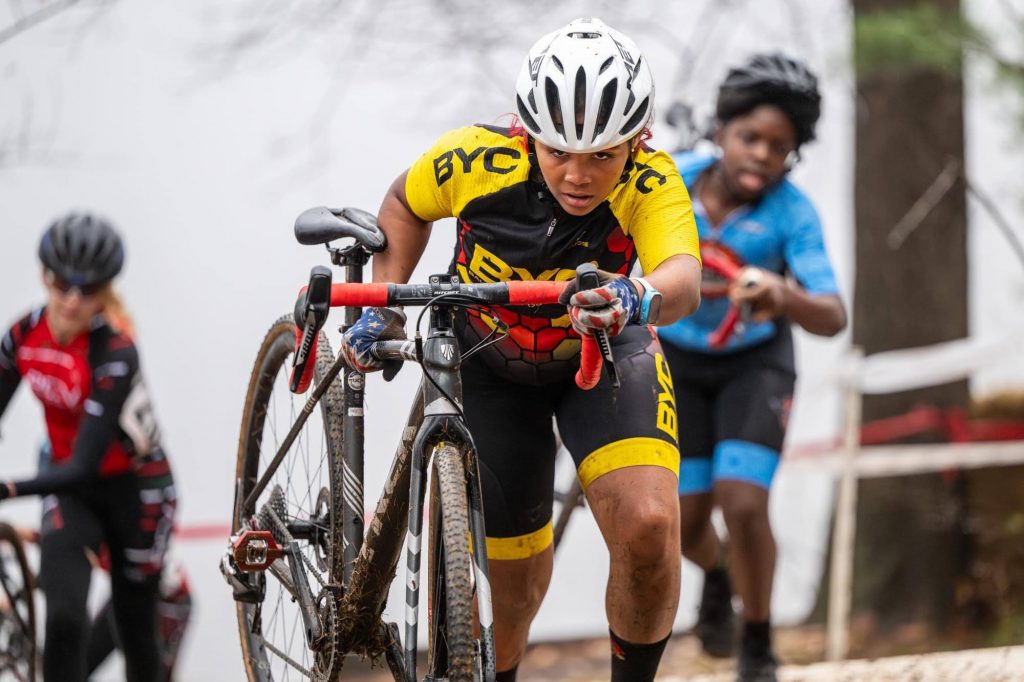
x=511, y=227
x=532, y=203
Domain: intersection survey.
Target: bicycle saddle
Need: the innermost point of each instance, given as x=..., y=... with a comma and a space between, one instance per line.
x=320, y=225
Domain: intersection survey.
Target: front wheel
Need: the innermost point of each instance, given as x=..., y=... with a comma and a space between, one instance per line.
x=301, y=507
x=452, y=648
x=17, y=610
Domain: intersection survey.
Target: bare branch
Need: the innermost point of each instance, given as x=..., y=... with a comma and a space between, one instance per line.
x=28, y=21
x=924, y=205
x=997, y=216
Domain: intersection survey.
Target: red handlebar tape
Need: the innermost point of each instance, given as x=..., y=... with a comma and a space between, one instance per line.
x=723, y=267
x=591, y=362
x=535, y=293
x=359, y=295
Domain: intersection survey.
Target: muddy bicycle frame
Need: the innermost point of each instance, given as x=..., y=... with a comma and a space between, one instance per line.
x=370, y=556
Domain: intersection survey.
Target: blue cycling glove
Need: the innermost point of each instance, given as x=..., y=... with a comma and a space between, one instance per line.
x=375, y=324
x=610, y=307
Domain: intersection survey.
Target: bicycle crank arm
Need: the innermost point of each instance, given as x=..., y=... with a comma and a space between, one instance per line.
x=304, y=597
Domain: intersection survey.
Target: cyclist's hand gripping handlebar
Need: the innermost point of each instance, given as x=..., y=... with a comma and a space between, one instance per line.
x=599, y=344
x=311, y=311
x=745, y=277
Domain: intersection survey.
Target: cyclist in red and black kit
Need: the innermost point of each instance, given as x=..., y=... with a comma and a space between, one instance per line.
x=575, y=184
x=109, y=481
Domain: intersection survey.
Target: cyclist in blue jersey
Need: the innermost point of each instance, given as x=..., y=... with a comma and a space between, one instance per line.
x=734, y=397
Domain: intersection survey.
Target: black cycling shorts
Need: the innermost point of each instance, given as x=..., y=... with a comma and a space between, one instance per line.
x=733, y=412
x=604, y=429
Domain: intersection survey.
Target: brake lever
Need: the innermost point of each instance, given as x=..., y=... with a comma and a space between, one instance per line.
x=311, y=312
x=587, y=278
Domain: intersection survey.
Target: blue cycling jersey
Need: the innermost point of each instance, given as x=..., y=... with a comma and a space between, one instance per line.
x=781, y=233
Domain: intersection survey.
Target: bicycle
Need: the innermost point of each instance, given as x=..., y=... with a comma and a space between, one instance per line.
x=298, y=531
x=17, y=609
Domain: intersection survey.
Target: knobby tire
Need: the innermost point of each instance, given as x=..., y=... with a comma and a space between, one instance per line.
x=18, y=623
x=315, y=460
x=452, y=648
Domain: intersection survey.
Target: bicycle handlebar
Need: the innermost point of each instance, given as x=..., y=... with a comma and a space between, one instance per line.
x=731, y=272
x=446, y=293
x=499, y=293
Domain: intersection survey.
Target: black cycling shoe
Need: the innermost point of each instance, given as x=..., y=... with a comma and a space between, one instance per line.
x=756, y=667
x=756, y=661
x=716, y=620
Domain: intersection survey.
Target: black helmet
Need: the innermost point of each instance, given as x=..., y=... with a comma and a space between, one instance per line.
x=82, y=249
x=772, y=79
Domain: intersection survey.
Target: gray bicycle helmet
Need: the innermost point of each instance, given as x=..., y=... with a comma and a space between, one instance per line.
x=775, y=79
x=82, y=249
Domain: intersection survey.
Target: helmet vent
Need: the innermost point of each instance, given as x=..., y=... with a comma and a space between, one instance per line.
x=527, y=119
x=557, y=63
x=580, y=103
x=554, y=106
x=636, y=118
x=604, y=109
x=604, y=67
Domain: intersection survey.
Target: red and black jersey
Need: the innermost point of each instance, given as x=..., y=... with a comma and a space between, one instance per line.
x=98, y=413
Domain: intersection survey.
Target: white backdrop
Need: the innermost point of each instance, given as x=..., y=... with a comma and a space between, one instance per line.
x=204, y=157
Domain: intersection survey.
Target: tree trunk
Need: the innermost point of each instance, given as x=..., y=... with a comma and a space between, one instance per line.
x=909, y=548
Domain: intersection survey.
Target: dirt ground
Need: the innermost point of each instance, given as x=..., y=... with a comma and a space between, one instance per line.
x=800, y=650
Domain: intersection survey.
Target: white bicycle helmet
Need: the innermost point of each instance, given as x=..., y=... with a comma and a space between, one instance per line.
x=584, y=88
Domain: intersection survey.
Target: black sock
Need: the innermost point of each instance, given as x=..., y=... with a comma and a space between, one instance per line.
x=757, y=638
x=507, y=675
x=635, y=662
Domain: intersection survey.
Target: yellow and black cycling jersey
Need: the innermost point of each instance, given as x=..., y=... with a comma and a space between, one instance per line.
x=511, y=228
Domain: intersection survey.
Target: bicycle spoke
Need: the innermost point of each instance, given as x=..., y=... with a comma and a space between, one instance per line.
x=297, y=498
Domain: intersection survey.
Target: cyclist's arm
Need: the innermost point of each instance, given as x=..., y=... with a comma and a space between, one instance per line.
x=407, y=236
x=811, y=298
x=111, y=383
x=678, y=280
x=9, y=375
x=821, y=314
x=824, y=315
x=7, y=388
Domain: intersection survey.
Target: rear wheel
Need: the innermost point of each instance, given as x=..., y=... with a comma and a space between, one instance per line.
x=17, y=610
x=452, y=648
x=302, y=504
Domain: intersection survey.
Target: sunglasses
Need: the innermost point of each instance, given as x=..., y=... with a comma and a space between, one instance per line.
x=65, y=287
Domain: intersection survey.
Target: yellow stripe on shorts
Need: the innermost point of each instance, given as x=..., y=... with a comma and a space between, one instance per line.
x=629, y=452
x=521, y=546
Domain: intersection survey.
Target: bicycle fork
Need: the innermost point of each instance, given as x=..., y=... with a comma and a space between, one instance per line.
x=430, y=436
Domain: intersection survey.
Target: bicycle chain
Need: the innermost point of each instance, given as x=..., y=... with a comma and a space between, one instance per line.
x=273, y=512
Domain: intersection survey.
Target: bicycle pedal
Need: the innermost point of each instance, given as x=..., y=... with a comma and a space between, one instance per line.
x=255, y=550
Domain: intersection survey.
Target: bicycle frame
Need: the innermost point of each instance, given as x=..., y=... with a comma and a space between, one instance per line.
x=370, y=556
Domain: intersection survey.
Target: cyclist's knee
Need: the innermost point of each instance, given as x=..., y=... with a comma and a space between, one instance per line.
x=744, y=509
x=647, y=529
x=692, y=533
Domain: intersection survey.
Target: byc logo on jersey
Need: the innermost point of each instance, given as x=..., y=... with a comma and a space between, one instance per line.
x=495, y=160
x=644, y=177
x=666, y=399
x=488, y=267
